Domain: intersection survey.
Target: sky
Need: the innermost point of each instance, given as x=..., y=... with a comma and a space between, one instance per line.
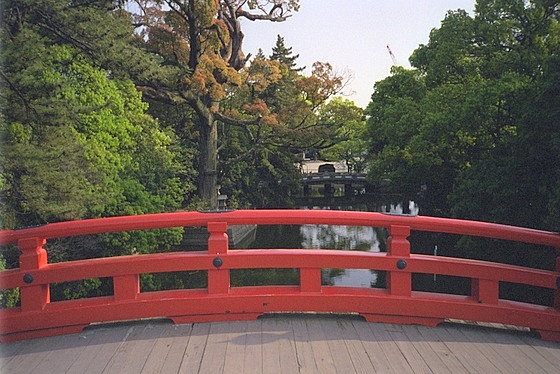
x=352, y=35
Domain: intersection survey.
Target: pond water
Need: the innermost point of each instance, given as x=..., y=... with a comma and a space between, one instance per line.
x=372, y=239
x=351, y=238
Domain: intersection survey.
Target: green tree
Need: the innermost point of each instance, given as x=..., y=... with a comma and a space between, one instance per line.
x=284, y=55
x=477, y=141
x=449, y=56
x=516, y=180
x=260, y=160
x=8, y=298
x=202, y=41
x=348, y=133
x=395, y=116
x=76, y=140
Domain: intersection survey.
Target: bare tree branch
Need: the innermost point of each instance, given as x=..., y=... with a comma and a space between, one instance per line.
x=237, y=122
x=261, y=17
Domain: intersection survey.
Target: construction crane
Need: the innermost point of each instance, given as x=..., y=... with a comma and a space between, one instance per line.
x=395, y=63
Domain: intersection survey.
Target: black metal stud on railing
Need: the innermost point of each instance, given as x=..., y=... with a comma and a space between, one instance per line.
x=217, y=262
x=28, y=278
x=401, y=264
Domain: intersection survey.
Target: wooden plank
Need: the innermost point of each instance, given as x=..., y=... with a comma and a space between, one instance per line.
x=375, y=348
x=214, y=358
x=253, y=358
x=505, y=346
x=28, y=359
x=439, y=347
x=196, y=346
x=550, y=351
x=422, y=347
x=100, y=344
x=168, y=350
x=337, y=346
x=322, y=354
x=63, y=353
x=236, y=349
x=498, y=355
x=279, y=351
x=468, y=354
x=529, y=348
x=356, y=350
x=10, y=351
x=131, y=355
x=304, y=350
x=282, y=345
x=391, y=353
x=531, y=351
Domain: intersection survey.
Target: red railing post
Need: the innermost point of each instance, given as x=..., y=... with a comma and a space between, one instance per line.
x=126, y=287
x=399, y=280
x=34, y=257
x=310, y=280
x=485, y=291
x=218, y=279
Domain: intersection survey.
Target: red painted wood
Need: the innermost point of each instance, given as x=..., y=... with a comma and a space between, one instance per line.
x=218, y=277
x=397, y=243
x=485, y=291
x=34, y=297
x=282, y=217
x=126, y=287
x=399, y=280
x=310, y=280
x=218, y=240
x=37, y=316
x=281, y=258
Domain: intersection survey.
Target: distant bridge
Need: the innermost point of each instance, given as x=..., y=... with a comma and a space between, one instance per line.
x=322, y=178
x=349, y=183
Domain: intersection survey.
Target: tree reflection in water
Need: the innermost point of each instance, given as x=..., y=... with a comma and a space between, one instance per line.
x=367, y=239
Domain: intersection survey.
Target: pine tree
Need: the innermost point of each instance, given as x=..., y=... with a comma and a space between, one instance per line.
x=283, y=54
x=260, y=55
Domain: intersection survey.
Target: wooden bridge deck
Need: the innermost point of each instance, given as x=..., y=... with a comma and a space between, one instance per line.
x=283, y=344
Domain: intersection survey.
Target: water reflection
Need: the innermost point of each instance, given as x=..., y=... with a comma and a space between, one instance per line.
x=352, y=238
x=344, y=238
x=371, y=239
x=340, y=237
x=413, y=208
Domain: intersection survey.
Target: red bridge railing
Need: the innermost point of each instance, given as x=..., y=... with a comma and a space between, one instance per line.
x=37, y=316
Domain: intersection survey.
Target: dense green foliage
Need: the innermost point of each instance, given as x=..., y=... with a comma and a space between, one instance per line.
x=76, y=140
x=348, y=136
x=473, y=130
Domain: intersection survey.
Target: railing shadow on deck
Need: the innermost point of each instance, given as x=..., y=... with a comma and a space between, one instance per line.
x=38, y=316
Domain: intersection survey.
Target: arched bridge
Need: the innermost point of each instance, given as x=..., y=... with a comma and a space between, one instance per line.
x=38, y=316
x=350, y=182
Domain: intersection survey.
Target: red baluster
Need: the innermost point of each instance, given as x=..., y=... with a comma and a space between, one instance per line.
x=126, y=287
x=399, y=279
x=34, y=257
x=218, y=278
x=310, y=280
x=485, y=291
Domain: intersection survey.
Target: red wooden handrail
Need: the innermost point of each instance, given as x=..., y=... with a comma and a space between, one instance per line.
x=397, y=303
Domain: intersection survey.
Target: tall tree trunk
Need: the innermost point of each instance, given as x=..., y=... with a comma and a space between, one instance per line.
x=208, y=166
